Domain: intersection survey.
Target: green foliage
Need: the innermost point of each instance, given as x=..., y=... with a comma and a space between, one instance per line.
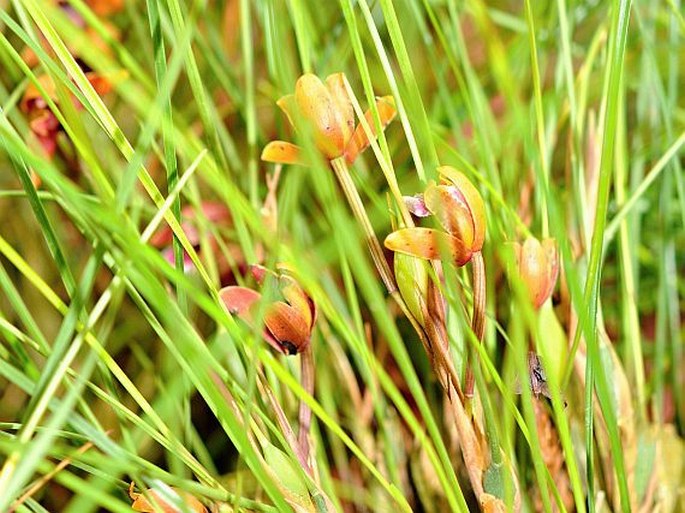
x=119, y=362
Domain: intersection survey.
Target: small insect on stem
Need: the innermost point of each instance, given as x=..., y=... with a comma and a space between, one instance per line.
x=538, y=380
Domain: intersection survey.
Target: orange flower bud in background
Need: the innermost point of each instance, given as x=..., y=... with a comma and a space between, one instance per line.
x=458, y=207
x=327, y=111
x=538, y=266
x=105, y=7
x=288, y=323
x=42, y=120
x=228, y=255
x=166, y=501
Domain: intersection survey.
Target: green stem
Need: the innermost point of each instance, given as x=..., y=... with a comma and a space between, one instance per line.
x=339, y=165
x=305, y=413
x=445, y=369
x=478, y=316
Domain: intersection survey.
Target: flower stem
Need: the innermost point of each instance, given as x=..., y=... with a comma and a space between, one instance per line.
x=343, y=174
x=478, y=316
x=305, y=413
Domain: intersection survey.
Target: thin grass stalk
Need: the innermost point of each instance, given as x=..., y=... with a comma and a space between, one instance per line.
x=619, y=31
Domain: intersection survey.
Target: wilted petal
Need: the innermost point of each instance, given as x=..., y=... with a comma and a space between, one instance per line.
x=288, y=327
x=282, y=152
x=360, y=140
x=298, y=299
x=429, y=244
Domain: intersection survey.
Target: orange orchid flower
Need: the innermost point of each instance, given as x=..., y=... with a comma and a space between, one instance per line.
x=288, y=323
x=538, y=266
x=458, y=207
x=328, y=112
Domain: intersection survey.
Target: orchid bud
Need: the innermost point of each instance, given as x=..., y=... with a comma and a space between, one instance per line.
x=412, y=280
x=538, y=266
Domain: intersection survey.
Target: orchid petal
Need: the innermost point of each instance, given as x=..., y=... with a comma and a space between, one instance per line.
x=473, y=199
x=288, y=105
x=317, y=107
x=416, y=205
x=448, y=204
x=288, y=327
x=282, y=152
x=336, y=86
x=428, y=244
x=239, y=300
x=360, y=140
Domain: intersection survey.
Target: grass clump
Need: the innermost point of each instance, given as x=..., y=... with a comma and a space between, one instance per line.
x=446, y=277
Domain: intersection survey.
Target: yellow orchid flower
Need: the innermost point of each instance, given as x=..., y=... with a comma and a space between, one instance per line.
x=460, y=210
x=327, y=110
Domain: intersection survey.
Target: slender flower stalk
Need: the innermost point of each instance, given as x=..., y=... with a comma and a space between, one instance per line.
x=342, y=173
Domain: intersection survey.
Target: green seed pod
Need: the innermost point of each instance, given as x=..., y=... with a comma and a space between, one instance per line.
x=287, y=475
x=412, y=280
